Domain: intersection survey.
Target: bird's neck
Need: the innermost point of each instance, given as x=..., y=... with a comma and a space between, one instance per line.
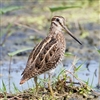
x=57, y=34
x=55, y=30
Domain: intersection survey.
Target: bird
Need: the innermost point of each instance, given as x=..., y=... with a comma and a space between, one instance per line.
x=47, y=54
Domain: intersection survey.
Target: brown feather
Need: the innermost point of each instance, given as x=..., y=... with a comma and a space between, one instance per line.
x=46, y=55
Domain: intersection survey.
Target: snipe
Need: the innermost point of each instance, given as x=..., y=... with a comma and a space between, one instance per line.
x=48, y=53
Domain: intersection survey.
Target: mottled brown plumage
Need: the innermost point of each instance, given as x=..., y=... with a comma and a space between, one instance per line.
x=48, y=53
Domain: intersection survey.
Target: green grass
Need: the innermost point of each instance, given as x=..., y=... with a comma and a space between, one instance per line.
x=9, y=9
x=3, y=89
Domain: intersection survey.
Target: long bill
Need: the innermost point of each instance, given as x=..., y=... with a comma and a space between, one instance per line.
x=72, y=35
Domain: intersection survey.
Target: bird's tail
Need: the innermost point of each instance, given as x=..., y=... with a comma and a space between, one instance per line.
x=23, y=80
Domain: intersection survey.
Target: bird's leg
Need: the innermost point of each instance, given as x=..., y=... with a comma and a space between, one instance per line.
x=49, y=85
x=35, y=80
x=44, y=80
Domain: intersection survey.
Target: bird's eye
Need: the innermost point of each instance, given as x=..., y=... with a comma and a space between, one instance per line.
x=57, y=20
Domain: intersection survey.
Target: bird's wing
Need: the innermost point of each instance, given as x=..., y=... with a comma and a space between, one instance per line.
x=50, y=60
x=34, y=54
x=30, y=59
x=43, y=57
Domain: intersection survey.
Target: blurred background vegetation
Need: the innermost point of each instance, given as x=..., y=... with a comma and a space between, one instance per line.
x=24, y=21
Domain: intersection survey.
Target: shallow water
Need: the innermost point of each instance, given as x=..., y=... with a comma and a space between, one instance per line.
x=88, y=72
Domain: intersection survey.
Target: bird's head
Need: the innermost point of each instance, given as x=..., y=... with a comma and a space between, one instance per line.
x=58, y=23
